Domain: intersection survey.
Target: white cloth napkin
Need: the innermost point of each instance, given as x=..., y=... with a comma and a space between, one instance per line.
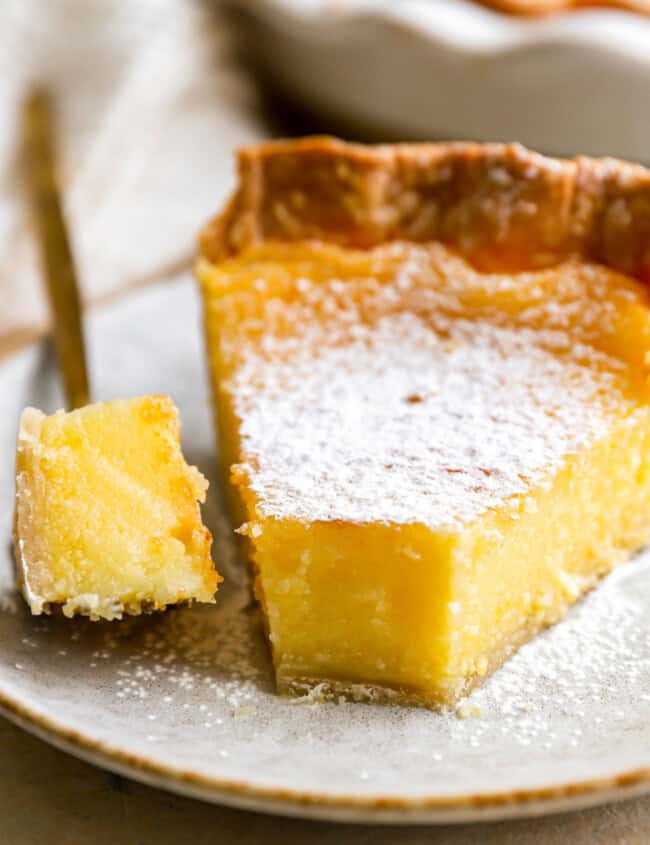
x=151, y=107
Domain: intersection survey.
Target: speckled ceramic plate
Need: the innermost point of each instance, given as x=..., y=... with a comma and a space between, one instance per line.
x=184, y=700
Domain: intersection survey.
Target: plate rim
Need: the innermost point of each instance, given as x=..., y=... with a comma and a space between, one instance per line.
x=373, y=809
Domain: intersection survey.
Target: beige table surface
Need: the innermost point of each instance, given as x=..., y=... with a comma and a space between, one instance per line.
x=47, y=796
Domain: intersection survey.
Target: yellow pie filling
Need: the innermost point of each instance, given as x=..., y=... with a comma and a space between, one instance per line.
x=107, y=519
x=431, y=463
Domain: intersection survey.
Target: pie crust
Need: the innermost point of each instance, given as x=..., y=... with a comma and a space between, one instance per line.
x=501, y=205
x=279, y=257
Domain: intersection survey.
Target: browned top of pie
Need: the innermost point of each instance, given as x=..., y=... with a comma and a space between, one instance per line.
x=547, y=7
x=501, y=206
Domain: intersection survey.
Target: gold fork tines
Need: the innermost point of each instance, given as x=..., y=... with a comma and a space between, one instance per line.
x=54, y=245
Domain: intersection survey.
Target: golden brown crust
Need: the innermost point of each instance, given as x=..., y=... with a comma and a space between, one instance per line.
x=548, y=7
x=501, y=205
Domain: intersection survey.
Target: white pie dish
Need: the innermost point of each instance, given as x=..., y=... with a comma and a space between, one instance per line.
x=426, y=69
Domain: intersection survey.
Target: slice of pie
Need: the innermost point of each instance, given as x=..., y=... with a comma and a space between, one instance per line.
x=107, y=519
x=430, y=368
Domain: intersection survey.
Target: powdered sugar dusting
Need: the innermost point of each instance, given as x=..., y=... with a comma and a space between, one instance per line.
x=403, y=423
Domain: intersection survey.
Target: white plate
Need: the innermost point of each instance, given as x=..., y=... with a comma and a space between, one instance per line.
x=570, y=84
x=184, y=700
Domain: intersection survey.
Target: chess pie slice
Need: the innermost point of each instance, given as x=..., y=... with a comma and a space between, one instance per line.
x=430, y=371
